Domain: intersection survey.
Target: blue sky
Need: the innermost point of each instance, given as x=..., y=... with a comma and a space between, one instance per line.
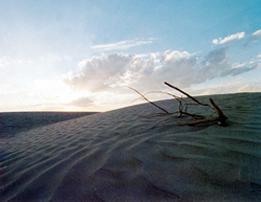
x=78, y=55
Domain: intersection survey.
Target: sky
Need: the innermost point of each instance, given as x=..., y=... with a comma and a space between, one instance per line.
x=63, y=55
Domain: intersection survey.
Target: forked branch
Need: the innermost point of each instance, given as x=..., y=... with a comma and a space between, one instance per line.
x=183, y=92
x=152, y=103
x=220, y=119
x=195, y=119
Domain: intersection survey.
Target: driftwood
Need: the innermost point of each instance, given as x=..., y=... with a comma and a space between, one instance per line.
x=183, y=92
x=220, y=117
x=182, y=111
x=152, y=103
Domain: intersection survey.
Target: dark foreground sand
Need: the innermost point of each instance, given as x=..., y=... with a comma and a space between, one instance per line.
x=133, y=155
x=15, y=122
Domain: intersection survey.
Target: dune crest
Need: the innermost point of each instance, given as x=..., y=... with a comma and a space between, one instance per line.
x=132, y=154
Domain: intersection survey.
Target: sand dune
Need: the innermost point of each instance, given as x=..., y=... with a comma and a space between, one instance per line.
x=133, y=154
x=15, y=122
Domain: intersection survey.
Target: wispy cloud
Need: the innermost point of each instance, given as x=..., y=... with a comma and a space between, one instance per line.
x=6, y=61
x=82, y=102
x=122, y=45
x=256, y=34
x=229, y=38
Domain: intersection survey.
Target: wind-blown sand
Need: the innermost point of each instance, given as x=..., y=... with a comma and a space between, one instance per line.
x=15, y=122
x=132, y=154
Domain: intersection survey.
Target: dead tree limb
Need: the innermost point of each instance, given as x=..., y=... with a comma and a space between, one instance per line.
x=196, y=116
x=220, y=119
x=195, y=119
x=199, y=122
x=181, y=91
x=162, y=109
x=167, y=93
x=221, y=116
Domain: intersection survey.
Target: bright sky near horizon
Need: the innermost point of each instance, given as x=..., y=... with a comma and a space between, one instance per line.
x=81, y=55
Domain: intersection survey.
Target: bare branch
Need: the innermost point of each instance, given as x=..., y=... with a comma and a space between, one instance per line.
x=196, y=116
x=195, y=119
x=181, y=91
x=155, y=105
x=197, y=122
x=221, y=116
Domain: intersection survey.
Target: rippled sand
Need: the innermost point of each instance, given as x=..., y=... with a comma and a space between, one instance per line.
x=15, y=122
x=132, y=154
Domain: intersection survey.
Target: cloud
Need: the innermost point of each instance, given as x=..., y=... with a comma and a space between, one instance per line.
x=82, y=102
x=229, y=38
x=6, y=61
x=122, y=45
x=256, y=34
x=148, y=71
x=253, y=87
x=98, y=73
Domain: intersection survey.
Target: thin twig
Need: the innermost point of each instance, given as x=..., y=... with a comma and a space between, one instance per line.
x=167, y=93
x=193, y=115
x=221, y=116
x=197, y=122
x=155, y=105
x=181, y=91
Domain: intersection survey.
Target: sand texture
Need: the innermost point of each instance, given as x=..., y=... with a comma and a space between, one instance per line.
x=133, y=154
x=15, y=122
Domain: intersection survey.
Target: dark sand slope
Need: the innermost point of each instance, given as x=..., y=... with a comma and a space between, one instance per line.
x=131, y=155
x=15, y=122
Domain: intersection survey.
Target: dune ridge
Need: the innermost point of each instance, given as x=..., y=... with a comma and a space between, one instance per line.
x=16, y=122
x=133, y=154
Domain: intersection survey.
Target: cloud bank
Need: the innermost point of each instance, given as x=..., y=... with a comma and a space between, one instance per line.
x=257, y=34
x=84, y=102
x=122, y=45
x=147, y=71
x=229, y=38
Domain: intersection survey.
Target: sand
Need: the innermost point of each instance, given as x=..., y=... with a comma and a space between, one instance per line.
x=15, y=122
x=133, y=154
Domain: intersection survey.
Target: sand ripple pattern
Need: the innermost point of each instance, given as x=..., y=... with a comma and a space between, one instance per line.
x=132, y=155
